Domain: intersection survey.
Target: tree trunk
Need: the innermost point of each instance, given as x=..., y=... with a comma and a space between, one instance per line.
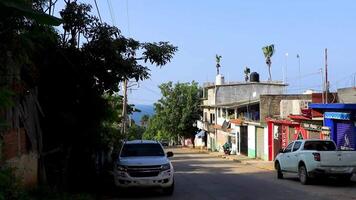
x=269, y=72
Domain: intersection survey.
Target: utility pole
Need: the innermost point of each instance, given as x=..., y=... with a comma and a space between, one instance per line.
x=326, y=76
x=124, y=109
x=299, y=76
x=322, y=85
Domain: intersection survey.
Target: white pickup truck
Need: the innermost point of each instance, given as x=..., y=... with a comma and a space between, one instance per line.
x=143, y=163
x=313, y=158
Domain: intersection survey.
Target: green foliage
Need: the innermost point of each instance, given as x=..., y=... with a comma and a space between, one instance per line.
x=176, y=112
x=24, y=8
x=135, y=132
x=75, y=80
x=268, y=52
x=144, y=120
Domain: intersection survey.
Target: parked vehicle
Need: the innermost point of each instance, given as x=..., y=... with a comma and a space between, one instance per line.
x=227, y=148
x=143, y=163
x=165, y=143
x=314, y=158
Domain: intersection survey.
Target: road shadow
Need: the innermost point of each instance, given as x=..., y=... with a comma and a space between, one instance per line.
x=331, y=182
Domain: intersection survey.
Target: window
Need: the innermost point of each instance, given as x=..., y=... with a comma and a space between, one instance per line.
x=320, y=146
x=223, y=114
x=142, y=150
x=288, y=148
x=297, y=146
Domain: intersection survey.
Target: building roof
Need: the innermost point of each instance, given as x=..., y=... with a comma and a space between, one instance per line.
x=212, y=84
x=299, y=117
x=281, y=121
x=236, y=121
x=333, y=106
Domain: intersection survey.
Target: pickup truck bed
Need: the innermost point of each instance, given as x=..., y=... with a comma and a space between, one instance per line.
x=312, y=158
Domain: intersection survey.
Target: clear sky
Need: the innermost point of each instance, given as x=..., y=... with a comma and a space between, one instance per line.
x=238, y=30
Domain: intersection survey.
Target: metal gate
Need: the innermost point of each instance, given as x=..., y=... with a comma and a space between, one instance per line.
x=243, y=140
x=260, y=142
x=345, y=138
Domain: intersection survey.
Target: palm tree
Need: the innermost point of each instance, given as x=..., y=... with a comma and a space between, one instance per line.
x=268, y=51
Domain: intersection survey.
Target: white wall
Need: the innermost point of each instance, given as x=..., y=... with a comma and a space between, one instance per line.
x=265, y=153
x=251, y=129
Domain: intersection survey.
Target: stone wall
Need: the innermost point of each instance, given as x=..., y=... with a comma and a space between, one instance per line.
x=270, y=104
x=16, y=154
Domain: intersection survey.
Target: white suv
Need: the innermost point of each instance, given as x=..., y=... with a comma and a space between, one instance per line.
x=143, y=163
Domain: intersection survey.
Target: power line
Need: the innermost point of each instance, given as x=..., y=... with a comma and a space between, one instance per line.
x=97, y=9
x=128, y=18
x=111, y=11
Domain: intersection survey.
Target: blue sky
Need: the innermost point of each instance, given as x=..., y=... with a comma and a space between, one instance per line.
x=238, y=30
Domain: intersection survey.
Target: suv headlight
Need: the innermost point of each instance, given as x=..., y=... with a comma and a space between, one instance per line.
x=121, y=168
x=165, y=167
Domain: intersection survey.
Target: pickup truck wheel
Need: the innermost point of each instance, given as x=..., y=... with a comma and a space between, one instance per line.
x=303, y=175
x=345, y=178
x=279, y=171
x=169, y=190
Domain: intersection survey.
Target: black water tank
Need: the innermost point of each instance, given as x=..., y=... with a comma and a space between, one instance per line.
x=254, y=77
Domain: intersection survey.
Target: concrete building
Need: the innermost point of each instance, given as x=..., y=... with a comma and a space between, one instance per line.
x=232, y=113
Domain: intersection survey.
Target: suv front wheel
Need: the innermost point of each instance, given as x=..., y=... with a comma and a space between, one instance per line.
x=169, y=190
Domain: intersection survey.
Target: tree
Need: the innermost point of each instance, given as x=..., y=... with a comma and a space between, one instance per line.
x=176, y=112
x=268, y=52
x=144, y=120
x=76, y=73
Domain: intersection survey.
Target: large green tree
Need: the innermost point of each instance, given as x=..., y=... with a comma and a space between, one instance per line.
x=176, y=112
x=75, y=71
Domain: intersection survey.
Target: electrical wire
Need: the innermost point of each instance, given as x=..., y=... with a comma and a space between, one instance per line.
x=128, y=18
x=97, y=9
x=111, y=11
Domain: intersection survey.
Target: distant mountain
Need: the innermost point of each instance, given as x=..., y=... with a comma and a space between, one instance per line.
x=145, y=110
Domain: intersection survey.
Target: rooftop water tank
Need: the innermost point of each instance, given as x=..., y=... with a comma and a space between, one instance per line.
x=254, y=77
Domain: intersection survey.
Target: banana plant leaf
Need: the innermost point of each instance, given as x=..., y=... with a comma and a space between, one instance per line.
x=23, y=9
x=268, y=50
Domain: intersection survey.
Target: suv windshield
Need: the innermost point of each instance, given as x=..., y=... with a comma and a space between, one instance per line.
x=142, y=150
x=320, y=146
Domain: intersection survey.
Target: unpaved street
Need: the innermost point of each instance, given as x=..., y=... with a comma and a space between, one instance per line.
x=203, y=176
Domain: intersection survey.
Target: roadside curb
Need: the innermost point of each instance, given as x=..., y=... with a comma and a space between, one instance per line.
x=266, y=165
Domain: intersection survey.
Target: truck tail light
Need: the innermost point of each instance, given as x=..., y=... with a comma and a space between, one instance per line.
x=316, y=156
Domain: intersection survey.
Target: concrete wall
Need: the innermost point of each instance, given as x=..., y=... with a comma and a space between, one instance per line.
x=265, y=157
x=236, y=131
x=26, y=166
x=16, y=155
x=229, y=94
x=270, y=104
x=251, y=130
x=211, y=96
x=347, y=95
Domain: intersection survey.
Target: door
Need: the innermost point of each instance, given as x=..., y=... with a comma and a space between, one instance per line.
x=243, y=140
x=294, y=157
x=286, y=157
x=277, y=139
x=260, y=142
